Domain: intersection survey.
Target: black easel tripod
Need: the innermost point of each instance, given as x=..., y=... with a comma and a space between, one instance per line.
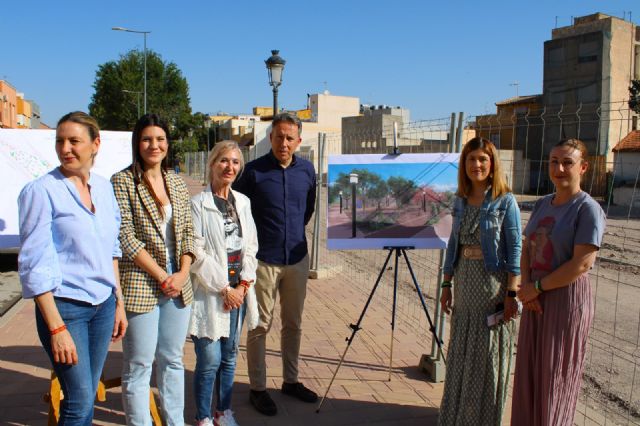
x=355, y=327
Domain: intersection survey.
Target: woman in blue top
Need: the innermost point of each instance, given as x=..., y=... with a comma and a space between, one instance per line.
x=68, y=262
x=482, y=266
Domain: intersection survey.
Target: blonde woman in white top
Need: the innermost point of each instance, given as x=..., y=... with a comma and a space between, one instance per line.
x=226, y=244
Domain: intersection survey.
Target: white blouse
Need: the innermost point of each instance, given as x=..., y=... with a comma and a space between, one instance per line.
x=209, y=273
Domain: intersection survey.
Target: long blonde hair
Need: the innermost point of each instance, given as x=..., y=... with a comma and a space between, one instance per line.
x=498, y=183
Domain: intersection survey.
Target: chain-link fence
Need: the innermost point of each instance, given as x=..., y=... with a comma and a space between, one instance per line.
x=524, y=135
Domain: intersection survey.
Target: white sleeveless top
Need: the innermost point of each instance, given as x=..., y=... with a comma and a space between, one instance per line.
x=169, y=234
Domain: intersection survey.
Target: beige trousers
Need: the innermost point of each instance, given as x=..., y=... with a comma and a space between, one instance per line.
x=290, y=281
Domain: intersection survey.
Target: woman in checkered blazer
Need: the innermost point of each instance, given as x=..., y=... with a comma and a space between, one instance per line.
x=156, y=238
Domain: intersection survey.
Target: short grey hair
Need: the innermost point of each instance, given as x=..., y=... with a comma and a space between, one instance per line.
x=287, y=117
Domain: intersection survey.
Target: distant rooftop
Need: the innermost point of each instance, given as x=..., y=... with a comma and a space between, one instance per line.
x=520, y=100
x=630, y=143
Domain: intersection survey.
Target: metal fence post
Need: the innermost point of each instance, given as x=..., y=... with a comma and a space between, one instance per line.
x=315, y=244
x=205, y=169
x=459, y=133
x=433, y=364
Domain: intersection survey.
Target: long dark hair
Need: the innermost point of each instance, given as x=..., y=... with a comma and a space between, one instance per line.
x=137, y=166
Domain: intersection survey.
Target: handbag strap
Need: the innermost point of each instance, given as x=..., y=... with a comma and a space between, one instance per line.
x=202, y=221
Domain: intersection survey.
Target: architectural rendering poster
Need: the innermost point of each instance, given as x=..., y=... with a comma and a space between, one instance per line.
x=400, y=200
x=27, y=154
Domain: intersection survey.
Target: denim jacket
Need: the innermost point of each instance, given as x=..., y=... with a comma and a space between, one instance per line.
x=500, y=234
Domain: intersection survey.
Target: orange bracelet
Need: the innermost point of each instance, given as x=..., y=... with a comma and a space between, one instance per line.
x=244, y=283
x=63, y=327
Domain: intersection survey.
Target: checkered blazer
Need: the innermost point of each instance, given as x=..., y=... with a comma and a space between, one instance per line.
x=141, y=229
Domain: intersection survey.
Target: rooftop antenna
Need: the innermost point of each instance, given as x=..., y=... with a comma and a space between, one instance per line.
x=325, y=91
x=556, y=22
x=516, y=84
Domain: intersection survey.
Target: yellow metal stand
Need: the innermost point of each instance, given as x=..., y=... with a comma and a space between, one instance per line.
x=54, y=396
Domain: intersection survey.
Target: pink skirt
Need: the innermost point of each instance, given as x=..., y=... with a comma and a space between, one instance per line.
x=550, y=356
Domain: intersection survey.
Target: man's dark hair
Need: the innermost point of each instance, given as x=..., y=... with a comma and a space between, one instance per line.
x=286, y=117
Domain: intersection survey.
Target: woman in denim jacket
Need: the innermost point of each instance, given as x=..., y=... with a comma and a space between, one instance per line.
x=482, y=265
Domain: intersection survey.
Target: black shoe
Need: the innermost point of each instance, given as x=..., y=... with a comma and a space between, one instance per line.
x=299, y=391
x=263, y=402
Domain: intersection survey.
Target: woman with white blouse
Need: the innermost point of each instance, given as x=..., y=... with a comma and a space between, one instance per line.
x=226, y=244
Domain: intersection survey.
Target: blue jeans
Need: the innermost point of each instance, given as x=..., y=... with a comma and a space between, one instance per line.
x=158, y=334
x=216, y=366
x=91, y=328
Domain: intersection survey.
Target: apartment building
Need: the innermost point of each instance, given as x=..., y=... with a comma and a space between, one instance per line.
x=8, y=105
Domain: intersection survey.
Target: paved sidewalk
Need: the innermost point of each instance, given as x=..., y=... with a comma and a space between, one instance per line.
x=361, y=393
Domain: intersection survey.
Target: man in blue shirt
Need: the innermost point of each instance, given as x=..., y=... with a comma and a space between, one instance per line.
x=282, y=188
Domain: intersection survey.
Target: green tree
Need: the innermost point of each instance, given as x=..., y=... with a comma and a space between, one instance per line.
x=184, y=145
x=367, y=181
x=402, y=189
x=378, y=191
x=167, y=93
x=200, y=131
x=634, y=96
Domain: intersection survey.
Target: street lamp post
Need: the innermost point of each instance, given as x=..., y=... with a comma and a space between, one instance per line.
x=275, y=67
x=353, y=180
x=144, y=33
x=205, y=174
x=207, y=125
x=340, y=193
x=133, y=92
x=424, y=201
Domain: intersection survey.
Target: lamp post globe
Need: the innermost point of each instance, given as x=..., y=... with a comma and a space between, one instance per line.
x=353, y=180
x=275, y=67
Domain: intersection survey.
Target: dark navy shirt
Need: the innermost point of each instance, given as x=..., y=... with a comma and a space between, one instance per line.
x=282, y=202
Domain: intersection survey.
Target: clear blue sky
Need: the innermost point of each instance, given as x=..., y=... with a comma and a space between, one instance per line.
x=441, y=176
x=431, y=57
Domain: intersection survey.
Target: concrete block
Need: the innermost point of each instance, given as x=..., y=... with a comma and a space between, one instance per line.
x=434, y=368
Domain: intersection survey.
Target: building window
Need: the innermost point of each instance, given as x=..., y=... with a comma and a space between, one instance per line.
x=588, y=52
x=556, y=56
x=590, y=58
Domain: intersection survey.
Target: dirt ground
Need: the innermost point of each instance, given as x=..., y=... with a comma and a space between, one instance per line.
x=610, y=392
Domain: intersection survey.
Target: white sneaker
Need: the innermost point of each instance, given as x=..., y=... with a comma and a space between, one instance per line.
x=204, y=422
x=226, y=419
